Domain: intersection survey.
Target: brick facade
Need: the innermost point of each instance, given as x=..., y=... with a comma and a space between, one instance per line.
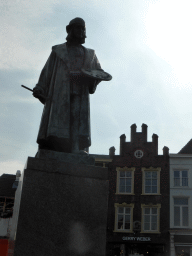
x=126, y=243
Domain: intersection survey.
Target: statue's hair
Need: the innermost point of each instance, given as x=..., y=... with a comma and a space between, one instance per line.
x=70, y=36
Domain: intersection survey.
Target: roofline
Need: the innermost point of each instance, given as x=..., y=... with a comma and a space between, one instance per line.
x=103, y=160
x=180, y=155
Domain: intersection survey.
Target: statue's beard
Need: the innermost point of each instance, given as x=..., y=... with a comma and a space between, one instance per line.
x=71, y=38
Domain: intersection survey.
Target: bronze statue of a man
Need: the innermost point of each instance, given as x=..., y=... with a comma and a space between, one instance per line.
x=64, y=90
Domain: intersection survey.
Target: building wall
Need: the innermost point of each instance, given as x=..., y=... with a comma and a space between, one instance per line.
x=180, y=162
x=5, y=225
x=163, y=198
x=181, y=237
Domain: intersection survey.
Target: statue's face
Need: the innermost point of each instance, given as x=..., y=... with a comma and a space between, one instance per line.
x=79, y=31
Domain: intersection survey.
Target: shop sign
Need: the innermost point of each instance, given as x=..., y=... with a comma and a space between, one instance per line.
x=140, y=239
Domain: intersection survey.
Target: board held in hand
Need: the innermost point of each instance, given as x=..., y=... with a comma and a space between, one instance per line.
x=97, y=74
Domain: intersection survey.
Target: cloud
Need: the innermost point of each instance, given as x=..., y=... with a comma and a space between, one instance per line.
x=8, y=97
x=19, y=48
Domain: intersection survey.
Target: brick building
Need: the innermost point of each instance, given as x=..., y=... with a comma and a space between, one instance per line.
x=138, y=212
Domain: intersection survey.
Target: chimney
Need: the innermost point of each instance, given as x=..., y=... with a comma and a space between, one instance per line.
x=155, y=143
x=111, y=152
x=165, y=151
x=133, y=131
x=18, y=175
x=122, y=141
x=144, y=132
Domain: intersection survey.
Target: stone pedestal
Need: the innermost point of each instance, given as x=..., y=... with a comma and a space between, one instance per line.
x=60, y=209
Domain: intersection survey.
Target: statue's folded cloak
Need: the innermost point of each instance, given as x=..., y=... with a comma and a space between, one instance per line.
x=55, y=82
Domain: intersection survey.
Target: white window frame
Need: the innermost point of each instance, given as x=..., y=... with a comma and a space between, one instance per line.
x=151, y=169
x=180, y=212
x=123, y=205
x=125, y=169
x=150, y=206
x=180, y=177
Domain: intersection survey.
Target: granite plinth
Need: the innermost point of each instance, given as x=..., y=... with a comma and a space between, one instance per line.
x=66, y=157
x=60, y=209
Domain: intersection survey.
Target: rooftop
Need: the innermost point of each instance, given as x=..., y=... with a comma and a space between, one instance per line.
x=6, y=185
x=187, y=149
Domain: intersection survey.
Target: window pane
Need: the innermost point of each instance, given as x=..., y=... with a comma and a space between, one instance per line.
x=154, y=226
x=181, y=201
x=147, y=210
x=146, y=218
x=184, y=174
x=176, y=182
x=154, y=182
x=122, y=174
x=146, y=226
x=120, y=217
x=147, y=174
x=127, y=218
x=182, y=250
x=120, y=210
x=128, y=182
x=148, y=182
x=127, y=210
x=154, y=210
x=176, y=174
x=127, y=225
x=128, y=174
x=120, y=225
x=122, y=189
x=154, y=218
x=147, y=189
x=184, y=181
x=128, y=189
x=154, y=175
x=176, y=216
x=154, y=189
x=185, y=216
x=122, y=182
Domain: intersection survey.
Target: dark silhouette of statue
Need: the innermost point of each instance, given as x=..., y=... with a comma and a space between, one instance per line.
x=64, y=90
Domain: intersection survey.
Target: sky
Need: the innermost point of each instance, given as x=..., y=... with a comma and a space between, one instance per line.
x=144, y=44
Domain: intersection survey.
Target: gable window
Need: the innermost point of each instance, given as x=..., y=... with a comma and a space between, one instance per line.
x=138, y=154
x=125, y=180
x=181, y=214
x=150, y=218
x=123, y=217
x=180, y=178
x=151, y=181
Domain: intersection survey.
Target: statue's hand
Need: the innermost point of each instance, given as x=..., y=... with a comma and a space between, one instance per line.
x=37, y=93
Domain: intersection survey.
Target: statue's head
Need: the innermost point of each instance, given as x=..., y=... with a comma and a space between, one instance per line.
x=76, y=31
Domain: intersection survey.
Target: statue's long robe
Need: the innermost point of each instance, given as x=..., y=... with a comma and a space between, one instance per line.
x=55, y=83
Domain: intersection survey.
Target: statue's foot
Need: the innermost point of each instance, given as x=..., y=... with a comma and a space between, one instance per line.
x=82, y=152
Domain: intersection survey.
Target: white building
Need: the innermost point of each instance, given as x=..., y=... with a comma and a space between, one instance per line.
x=181, y=202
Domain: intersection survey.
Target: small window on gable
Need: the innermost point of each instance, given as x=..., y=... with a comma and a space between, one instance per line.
x=138, y=154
